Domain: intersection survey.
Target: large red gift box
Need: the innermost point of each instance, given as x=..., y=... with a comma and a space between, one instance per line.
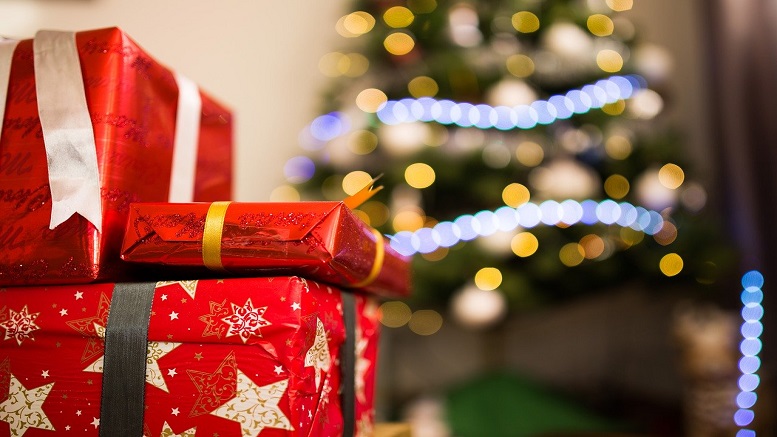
x=279, y=356
x=324, y=241
x=91, y=124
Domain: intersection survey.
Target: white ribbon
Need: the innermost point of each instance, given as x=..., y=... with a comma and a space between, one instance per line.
x=71, y=153
x=187, y=131
x=7, y=48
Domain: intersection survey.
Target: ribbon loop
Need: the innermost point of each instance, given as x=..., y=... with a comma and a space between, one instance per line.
x=71, y=152
x=187, y=132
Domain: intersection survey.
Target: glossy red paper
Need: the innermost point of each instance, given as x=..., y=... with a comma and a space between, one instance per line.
x=132, y=101
x=234, y=357
x=324, y=241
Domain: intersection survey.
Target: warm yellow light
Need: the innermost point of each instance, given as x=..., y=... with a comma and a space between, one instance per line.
x=526, y=22
x=394, y=314
x=358, y=64
x=425, y=322
x=618, y=147
x=355, y=181
x=371, y=100
x=571, y=254
x=407, y=220
x=616, y=186
x=357, y=23
x=631, y=236
x=398, y=16
x=524, y=244
x=362, y=142
x=593, y=246
x=488, y=278
x=609, y=61
x=377, y=211
x=615, y=108
x=437, y=255
x=667, y=234
x=399, y=43
x=600, y=25
x=529, y=153
x=423, y=86
x=515, y=195
x=284, y=193
x=671, y=264
x=671, y=176
x=520, y=65
x=419, y=175
x=329, y=64
x=620, y=5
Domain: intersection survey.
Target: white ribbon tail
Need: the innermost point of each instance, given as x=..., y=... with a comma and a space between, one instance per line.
x=71, y=152
x=187, y=131
x=7, y=48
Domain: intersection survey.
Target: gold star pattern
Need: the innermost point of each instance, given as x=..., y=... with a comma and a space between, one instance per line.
x=246, y=321
x=212, y=320
x=20, y=325
x=87, y=327
x=190, y=287
x=318, y=355
x=167, y=431
x=198, y=356
x=214, y=388
x=23, y=409
x=255, y=408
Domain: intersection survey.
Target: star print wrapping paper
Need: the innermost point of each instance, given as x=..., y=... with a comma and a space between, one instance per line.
x=133, y=111
x=324, y=241
x=234, y=357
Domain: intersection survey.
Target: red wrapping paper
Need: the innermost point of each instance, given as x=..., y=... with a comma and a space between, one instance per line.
x=324, y=241
x=204, y=356
x=132, y=101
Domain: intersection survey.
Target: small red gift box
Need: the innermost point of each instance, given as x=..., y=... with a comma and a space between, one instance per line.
x=279, y=356
x=324, y=241
x=91, y=124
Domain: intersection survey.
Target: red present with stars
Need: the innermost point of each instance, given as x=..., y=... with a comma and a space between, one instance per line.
x=235, y=357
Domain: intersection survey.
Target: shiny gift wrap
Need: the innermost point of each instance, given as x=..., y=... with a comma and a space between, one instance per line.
x=324, y=241
x=132, y=109
x=236, y=357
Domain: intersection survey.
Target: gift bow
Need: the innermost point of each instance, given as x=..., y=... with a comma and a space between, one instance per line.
x=71, y=151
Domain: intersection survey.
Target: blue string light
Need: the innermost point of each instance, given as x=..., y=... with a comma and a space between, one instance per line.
x=550, y=212
x=752, y=328
x=557, y=107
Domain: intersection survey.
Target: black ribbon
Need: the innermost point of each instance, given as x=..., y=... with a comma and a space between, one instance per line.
x=348, y=366
x=124, y=365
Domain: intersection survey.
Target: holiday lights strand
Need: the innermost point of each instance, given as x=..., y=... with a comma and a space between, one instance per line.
x=752, y=328
x=550, y=212
x=558, y=107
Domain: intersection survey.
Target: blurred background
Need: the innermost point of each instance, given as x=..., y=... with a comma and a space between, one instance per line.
x=583, y=184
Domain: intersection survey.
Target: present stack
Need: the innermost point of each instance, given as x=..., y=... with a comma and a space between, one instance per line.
x=130, y=309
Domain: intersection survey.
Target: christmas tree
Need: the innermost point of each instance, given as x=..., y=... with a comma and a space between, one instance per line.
x=521, y=149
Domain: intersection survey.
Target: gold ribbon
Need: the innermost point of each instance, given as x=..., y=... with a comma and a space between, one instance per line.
x=377, y=263
x=211, y=236
x=355, y=200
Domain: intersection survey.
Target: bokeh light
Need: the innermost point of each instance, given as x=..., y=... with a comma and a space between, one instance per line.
x=520, y=65
x=620, y=5
x=525, y=22
x=571, y=254
x=478, y=309
x=671, y=176
x=618, y=147
x=423, y=86
x=407, y=220
x=529, y=153
x=614, y=108
x=355, y=181
x=667, y=235
x=630, y=236
x=609, y=61
x=425, y=322
x=332, y=187
x=394, y=314
x=377, y=211
x=600, y=25
x=362, y=142
x=524, y=244
x=645, y=104
x=399, y=43
x=616, y=186
x=488, y=278
x=358, y=64
x=671, y=264
x=355, y=24
x=422, y=6
x=419, y=175
x=515, y=195
x=371, y=100
x=284, y=193
x=398, y=16
x=299, y=169
x=593, y=246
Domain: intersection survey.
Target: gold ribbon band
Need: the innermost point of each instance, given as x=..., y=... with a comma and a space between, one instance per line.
x=377, y=264
x=211, y=236
x=355, y=200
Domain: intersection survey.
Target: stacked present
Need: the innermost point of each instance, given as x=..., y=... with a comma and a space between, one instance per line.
x=222, y=319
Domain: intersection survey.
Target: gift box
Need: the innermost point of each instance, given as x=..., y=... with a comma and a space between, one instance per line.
x=92, y=123
x=324, y=241
x=276, y=356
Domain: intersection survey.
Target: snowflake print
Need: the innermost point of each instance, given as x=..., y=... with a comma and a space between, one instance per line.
x=246, y=321
x=19, y=326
